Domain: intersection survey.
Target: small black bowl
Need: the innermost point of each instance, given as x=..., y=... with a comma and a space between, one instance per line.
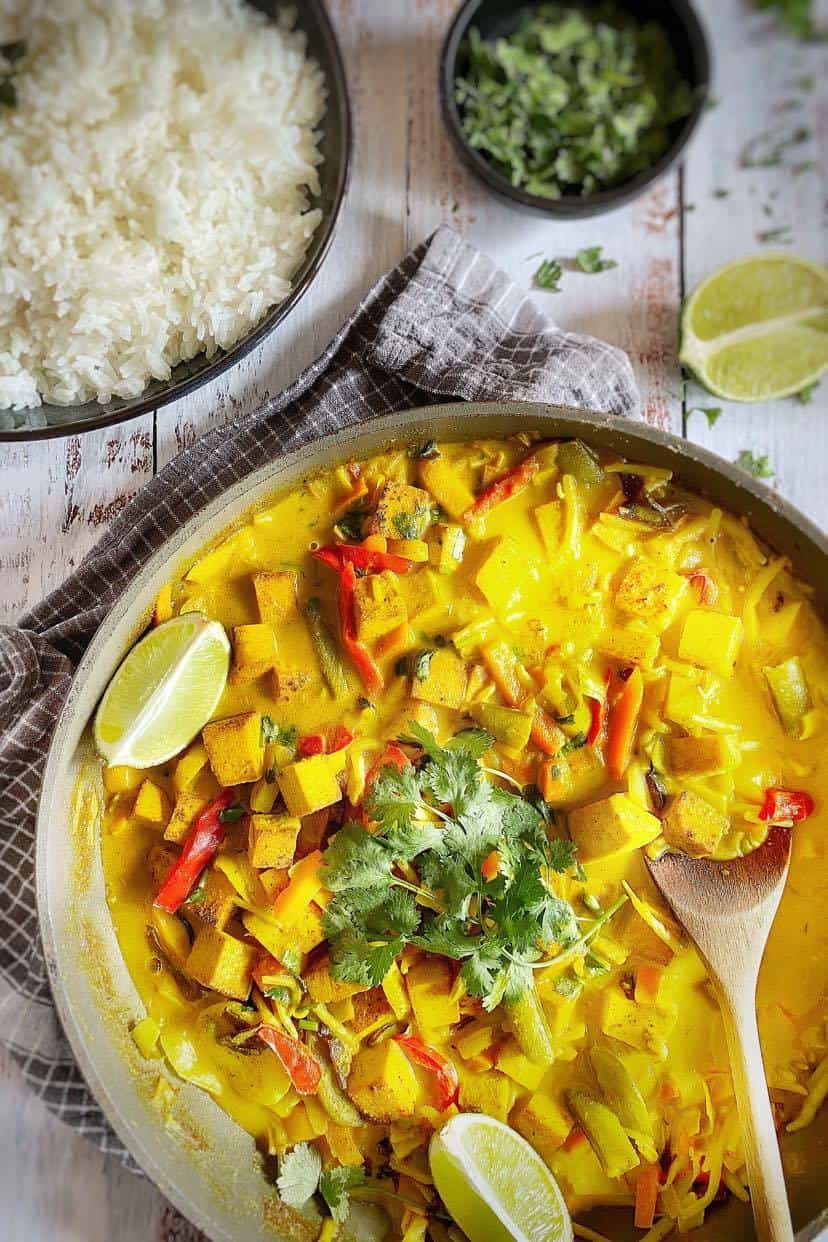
x=498, y=18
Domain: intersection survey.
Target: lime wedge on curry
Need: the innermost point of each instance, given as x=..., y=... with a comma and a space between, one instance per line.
x=757, y=328
x=164, y=692
x=495, y=1185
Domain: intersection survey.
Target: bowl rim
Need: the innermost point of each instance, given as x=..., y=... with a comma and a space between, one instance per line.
x=571, y=207
x=132, y=609
x=338, y=85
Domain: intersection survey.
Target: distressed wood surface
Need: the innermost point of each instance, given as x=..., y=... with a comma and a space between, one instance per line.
x=57, y=496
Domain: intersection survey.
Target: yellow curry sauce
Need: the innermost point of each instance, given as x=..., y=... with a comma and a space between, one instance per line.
x=649, y=676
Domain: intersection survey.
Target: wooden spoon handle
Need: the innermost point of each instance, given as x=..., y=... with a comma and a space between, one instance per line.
x=768, y=1195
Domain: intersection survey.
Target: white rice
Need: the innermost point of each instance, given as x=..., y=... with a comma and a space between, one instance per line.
x=155, y=183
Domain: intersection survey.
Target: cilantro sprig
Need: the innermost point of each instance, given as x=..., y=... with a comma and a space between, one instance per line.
x=439, y=822
x=301, y=1177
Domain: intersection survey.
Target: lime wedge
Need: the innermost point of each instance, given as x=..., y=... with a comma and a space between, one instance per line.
x=164, y=692
x=757, y=328
x=495, y=1185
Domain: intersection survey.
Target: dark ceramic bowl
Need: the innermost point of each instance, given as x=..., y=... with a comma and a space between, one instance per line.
x=497, y=19
x=46, y=421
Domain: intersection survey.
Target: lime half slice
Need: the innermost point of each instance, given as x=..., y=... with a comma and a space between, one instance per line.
x=164, y=692
x=757, y=328
x=495, y=1185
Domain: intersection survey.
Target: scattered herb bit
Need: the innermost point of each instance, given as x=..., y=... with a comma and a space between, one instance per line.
x=575, y=743
x=273, y=732
x=573, y=101
x=569, y=987
x=425, y=451
x=366, y=704
x=805, y=83
x=782, y=235
x=349, y=526
x=711, y=412
x=279, y=994
x=335, y=1184
x=721, y=193
x=589, y=260
x=796, y=15
x=759, y=467
x=291, y=959
x=413, y=525
x=798, y=170
x=199, y=893
x=806, y=394
x=299, y=1171
x=548, y=276
x=232, y=814
x=448, y=816
x=689, y=207
x=766, y=149
x=422, y=664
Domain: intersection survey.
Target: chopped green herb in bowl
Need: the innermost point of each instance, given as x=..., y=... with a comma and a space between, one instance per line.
x=575, y=103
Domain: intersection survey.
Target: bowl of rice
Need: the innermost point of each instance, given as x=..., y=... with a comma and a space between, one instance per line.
x=171, y=173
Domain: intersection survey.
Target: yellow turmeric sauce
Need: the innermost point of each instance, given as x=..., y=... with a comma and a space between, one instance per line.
x=636, y=657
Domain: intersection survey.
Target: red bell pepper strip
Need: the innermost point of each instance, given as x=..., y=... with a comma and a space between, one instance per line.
x=623, y=720
x=511, y=484
x=598, y=712
x=311, y=744
x=445, y=1074
x=303, y=1070
x=358, y=652
x=781, y=805
x=200, y=847
x=338, y=738
x=704, y=586
x=340, y=554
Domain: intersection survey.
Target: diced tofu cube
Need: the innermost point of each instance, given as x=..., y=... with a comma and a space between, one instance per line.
x=309, y=785
x=490, y=1093
x=650, y=591
x=416, y=550
x=504, y=574
x=433, y=997
x=691, y=824
x=543, y=1122
x=304, y=933
x=396, y=993
x=382, y=1083
x=424, y=597
x=214, y=900
x=446, y=545
x=276, y=595
x=297, y=685
x=629, y=646
x=684, y=699
x=191, y=763
x=612, y=826
x=254, y=652
x=395, y=643
x=188, y=806
x=550, y=519
x=446, y=485
x=371, y=1011
x=510, y=1060
x=378, y=606
x=221, y=962
x=151, y=804
x=160, y=859
x=272, y=840
x=323, y=988
x=445, y=683
x=403, y=512
x=234, y=746
x=647, y=1027
x=418, y=713
x=274, y=880
x=696, y=756
x=711, y=640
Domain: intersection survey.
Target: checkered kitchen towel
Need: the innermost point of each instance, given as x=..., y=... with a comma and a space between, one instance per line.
x=446, y=323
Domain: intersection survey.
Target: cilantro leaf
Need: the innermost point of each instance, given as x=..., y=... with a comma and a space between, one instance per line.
x=357, y=960
x=589, y=260
x=274, y=732
x=759, y=467
x=299, y=1171
x=548, y=276
x=356, y=859
x=711, y=412
x=561, y=855
x=476, y=742
x=806, y=394
x=394, y=797
x=334, y=1186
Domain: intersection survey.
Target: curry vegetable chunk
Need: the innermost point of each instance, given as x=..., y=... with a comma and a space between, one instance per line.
x=401, y=872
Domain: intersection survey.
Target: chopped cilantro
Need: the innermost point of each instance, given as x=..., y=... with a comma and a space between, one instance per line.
x=589, y=260
x=349, y=526
x=711, y=412
x=425, y=451
x=548, y=276
x=782, y=235
x=721, y=193
x=766, y=149
x=335, y=1185
x=299, y=1171
x=232, y=814
x=759, y=467
x=273, y=732
x=806, y=394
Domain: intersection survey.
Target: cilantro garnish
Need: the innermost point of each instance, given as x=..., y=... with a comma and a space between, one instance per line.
x=711, y=412
x=299, y=1171
x=573, y=101
x=444, y=818
x=797, y=15
x=273, y=732
x=548, y=276
x=334, y=1187
x=759, y=467
x=806, y=394
x=425, y=451
x=589, y=260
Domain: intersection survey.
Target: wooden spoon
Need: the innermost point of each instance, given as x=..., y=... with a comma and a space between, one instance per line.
x=728, y=909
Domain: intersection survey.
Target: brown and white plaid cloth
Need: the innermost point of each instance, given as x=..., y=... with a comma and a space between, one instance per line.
x=445, y=323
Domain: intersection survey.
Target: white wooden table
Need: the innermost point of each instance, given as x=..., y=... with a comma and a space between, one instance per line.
x=57, y=496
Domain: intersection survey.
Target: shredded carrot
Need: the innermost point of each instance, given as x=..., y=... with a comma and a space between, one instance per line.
x=623, y=719
x=545, y=733
x=647, y=983
x=550, y=780
x=511, y=484
x=646, y=1195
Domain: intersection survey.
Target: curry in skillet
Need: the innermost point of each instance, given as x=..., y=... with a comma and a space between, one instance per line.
x=401, y=873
